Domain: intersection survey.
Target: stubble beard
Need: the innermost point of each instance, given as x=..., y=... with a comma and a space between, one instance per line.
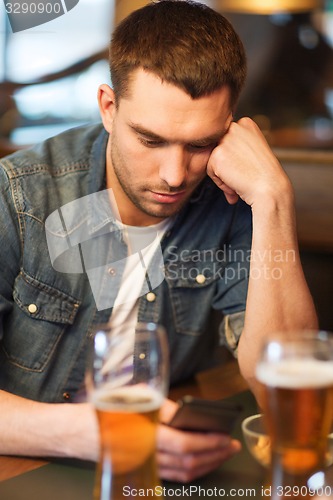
x=161, y=211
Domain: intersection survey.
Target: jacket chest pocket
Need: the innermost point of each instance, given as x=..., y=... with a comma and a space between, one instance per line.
x=192, y=285
x=37, y=322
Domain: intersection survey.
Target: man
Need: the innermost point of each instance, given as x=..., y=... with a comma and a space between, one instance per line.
x=177, y=69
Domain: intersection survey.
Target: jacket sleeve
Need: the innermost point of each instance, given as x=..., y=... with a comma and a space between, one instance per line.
x=10, y=245
x=231, y=294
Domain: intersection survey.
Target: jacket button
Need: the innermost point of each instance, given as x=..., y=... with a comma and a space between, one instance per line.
x=66, y=396
x=112, y=271
x=200, y=279
x=32, y=308
x=150, y=297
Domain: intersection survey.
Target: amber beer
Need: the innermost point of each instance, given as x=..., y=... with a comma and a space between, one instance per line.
x=298, y=405
x=127, y=420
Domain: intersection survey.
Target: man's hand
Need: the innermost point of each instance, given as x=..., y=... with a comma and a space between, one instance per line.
x=184, y=456
x=181, y=456
x=243, y=165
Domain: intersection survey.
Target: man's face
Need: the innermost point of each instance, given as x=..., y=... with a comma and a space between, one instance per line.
x=160, y=142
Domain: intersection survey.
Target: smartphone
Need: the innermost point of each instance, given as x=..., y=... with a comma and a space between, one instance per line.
x=195, y=414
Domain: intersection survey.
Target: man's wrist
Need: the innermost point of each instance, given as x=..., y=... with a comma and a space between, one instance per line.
x=279, y=200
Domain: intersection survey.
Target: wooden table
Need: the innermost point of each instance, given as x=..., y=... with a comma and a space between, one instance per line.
x=239, y=477
x=219, y=382
x=14, y=466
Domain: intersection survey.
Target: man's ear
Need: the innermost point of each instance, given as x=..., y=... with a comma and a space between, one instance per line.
x=107, y=105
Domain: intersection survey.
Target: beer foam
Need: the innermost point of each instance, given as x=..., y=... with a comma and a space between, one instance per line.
x=296, y=373
x=134, y=398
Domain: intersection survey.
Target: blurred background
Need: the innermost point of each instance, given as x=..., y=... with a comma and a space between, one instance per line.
x=49, y=77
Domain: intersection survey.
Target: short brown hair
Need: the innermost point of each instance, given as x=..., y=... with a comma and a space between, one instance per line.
x=184, y=43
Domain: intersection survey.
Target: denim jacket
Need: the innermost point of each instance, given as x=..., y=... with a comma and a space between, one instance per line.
x=47, y=316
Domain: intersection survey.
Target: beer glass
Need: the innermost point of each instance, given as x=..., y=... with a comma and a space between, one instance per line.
x=127, y=385
x=295, y=372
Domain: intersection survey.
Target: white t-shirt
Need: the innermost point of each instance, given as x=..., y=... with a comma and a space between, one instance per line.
x=125, y=310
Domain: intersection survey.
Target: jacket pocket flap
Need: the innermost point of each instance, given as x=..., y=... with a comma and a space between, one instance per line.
x=192, y=274
x=44, y=302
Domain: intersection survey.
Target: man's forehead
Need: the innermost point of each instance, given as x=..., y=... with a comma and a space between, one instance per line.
x=151, y=101
x=141, y=81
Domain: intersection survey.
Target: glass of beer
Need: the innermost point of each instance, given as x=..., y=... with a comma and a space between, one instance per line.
x=127, y=385
x=296, y=376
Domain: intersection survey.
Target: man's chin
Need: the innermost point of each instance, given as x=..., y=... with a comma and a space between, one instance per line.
x=165, y=211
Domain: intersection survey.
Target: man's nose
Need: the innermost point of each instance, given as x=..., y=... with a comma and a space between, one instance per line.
x=173, y=169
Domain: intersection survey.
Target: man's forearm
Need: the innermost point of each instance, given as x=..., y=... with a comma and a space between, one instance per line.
x=278, y=296
x=31, y=428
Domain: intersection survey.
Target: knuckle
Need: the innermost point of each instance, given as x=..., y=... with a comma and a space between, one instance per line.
x=245, y=120
x=190, y=462
x=188, y=476
x=183, y=446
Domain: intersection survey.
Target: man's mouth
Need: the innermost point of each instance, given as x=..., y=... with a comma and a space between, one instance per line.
x=168, y=197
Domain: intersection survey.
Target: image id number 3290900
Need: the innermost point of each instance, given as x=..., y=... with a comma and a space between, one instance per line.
x=298, y=491
x=41, y=7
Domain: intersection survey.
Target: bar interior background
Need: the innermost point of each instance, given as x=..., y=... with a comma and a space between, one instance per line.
x=48, y=81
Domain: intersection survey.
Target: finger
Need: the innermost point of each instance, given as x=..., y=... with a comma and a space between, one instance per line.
x=188, y=467
x=230, y=194
x=194, y=460
x=185, y=476
x=231, y=198
x=215, y=179
x=168, y=410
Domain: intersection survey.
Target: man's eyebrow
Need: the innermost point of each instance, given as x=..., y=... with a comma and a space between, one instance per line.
x=147, y=133
x=210, y=139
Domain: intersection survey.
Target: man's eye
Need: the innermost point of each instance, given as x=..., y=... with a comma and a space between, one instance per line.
x=150, y=143
x=201, y=147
